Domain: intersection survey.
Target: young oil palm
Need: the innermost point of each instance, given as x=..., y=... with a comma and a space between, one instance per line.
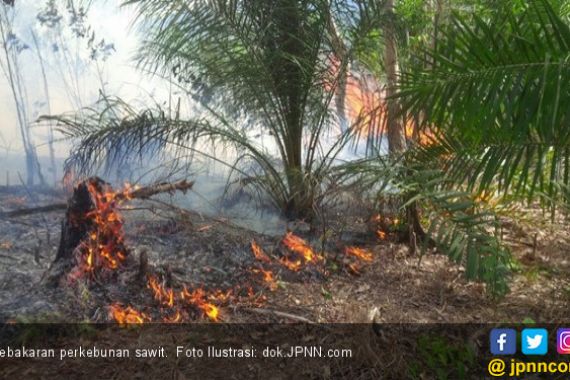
x=498, y=96
x=251, y=65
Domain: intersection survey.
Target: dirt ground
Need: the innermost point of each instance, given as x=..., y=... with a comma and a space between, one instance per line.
x=214, y=253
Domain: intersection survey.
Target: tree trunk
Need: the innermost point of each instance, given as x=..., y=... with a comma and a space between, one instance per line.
x=340, y=51
x=47, y=96
x=75, y=229
x=394, y=122
x=15, y=81
x=290, y=86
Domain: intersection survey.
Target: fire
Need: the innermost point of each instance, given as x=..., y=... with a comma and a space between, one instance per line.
x=211, y=311
x=172, y=300
x=300, y=246
x=268, y=277
x=294, y=266
x=175, y=319
x=163, y=295
x=199, y=298
x=104, y=248
x=127, y=315
x=361, y=253
x=381, y=235
x=258, y=252
x=354, y=268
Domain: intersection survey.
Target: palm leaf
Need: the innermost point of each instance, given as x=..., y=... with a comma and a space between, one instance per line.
x=497, y=95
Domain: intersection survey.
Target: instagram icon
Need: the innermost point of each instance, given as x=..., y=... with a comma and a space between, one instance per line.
x=563, y=341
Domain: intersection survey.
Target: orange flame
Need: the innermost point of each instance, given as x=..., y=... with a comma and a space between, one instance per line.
x=104, y=248
x=354, y=268
x=294, y=266
x=258, y=252
x=361, y=253
x=381, y=235
x=268, y=277
x=127, y=315
x=175, y=319
x=300, y=246
x=199, y=298
x=174, y=301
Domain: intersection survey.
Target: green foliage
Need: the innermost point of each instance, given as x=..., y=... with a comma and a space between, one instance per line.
x=442, y=359
x=454, y=221
x=467, y=236
x=498, y=97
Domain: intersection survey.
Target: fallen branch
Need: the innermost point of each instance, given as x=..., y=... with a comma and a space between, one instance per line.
x=279, y=314
x=33, y=210
x=140, y=193
x=149, y=191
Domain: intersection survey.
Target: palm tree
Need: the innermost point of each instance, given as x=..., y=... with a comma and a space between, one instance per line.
x=251, y=64
x=498, y=96
x=495, y=88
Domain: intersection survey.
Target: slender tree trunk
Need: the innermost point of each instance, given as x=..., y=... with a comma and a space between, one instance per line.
x=289, y=80
x=46, y=92
x=32, y=163
x=438, y=11
x=340, y=51
x=394, y=122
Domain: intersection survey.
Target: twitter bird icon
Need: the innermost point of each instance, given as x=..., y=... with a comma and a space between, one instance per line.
x=534, y=341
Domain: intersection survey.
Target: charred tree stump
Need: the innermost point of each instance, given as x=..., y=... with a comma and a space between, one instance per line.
x=76, y=223
x=79, y=230
x=92, y=237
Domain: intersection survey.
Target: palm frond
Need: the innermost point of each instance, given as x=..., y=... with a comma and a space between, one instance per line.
x=497, y=95
x=454, y=221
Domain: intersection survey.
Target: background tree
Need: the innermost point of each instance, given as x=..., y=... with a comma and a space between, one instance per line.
x=12, y=47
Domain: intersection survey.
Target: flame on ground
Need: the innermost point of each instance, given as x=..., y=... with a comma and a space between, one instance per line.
x=127, y=315
x=177, y=301
x=298, y=245
x=104, y=249
x=354, y=268
x=293, y=266
x=361, y=253
x=267, y=276
x=381, y=235
x=174, y=304
x=198, y=298
x=258, y=252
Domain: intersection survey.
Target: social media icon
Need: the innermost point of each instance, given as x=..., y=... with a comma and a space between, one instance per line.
x=563, y=341
x=534, y=341
x=503, y=341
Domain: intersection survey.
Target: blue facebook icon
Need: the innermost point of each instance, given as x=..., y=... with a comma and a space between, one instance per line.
x=503, y=341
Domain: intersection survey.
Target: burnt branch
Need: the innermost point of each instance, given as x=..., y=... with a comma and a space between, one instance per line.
x=140, y=193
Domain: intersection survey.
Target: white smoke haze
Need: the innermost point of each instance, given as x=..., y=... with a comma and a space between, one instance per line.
x=75, y=79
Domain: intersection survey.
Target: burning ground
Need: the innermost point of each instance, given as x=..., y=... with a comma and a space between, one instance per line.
x=149, y=261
